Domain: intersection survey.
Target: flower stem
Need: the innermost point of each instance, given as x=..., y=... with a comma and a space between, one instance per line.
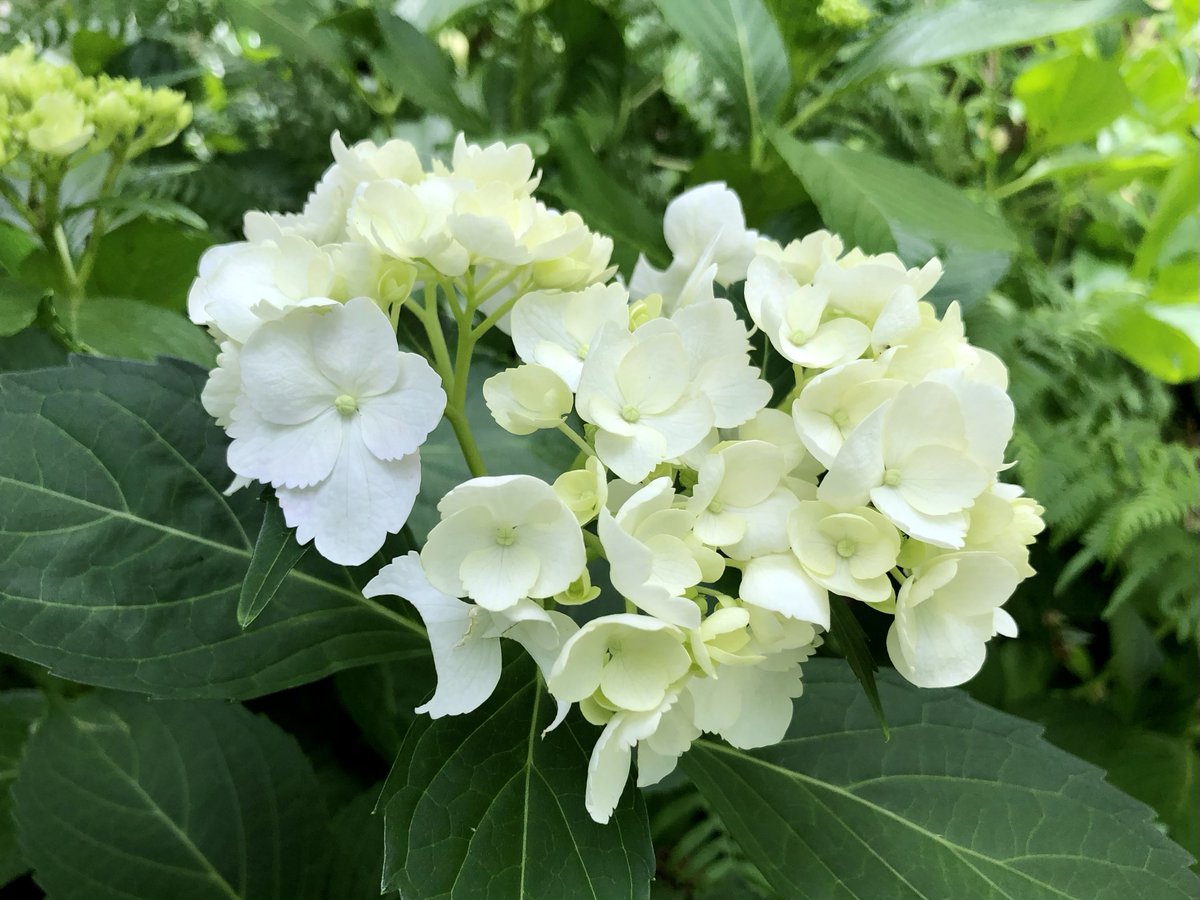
x=575, y=439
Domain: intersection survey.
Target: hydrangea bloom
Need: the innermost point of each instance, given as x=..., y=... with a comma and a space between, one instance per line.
x=720, y=512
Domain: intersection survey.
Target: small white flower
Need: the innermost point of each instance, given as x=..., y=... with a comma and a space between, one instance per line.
x=331, y=413
x=718, y=351
x=501, y=539
x=793, y=317
x=465, y=639
x=704, y=224
x=849, y=552
x=527, y=398
x=733, y=482
x=557, y=329
x=653, y=556
x=240, y=286
x=946, y=613
x=835, y=402
x=923, y=457
x=937, y=344
x=661, y=736
x=636, y=390
x=584, y=491
x=409, y=222
x=224, y=384
x=633, y=661
x=750, y=706
x=497, y=163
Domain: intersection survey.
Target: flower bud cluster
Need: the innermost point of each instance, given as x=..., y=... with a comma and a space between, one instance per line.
x=51, y=112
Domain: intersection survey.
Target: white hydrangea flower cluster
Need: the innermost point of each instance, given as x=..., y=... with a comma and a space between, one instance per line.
x=319, y=400
x=697, y=538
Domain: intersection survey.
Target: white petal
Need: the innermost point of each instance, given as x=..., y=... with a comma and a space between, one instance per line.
x=467, y=664
x=350, y=514
x=355, y=347
x=947, y=531
x=396, y=423
x=938, y=481
x=608, y=771
x=496, y=577
x=779, y=583
x=858, y=466
x=293, y=456
x=279, y=371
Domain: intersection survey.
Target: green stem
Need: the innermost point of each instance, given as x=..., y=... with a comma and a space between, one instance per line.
x=575, y=438
x=100, y=221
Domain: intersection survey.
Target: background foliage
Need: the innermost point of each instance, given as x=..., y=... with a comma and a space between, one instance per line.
x=1045, y=149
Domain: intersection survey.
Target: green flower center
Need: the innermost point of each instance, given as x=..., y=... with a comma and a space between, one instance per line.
x=506, y=535
x=582, y=352
x=891, y=477
x=630, y=414
x=345, y=404
x=845, y=548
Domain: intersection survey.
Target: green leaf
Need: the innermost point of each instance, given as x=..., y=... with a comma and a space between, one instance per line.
x=546, y=454
x=114, y=326
x=932, y=35
x=1162, y=339
x=15, y=245
x=882, y=205
x=132, y=206
x=149, y=261
x=482, y=806
x=20, y=710
x=381, y=699
x=120, y=797
x=848, y=634
x=92, y=49
x=964, y=802
x=290, y=26
x=1070, y=98
x=414, y=64
x=1176, y=201
x=30, y=349
x=19, y=304
x=1158, y=769
x=740, y=42
x=606, y=203
x=275, y=554
x=357, y=849
x=122, y=562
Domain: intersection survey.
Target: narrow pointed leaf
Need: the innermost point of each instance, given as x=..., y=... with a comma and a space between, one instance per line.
x=851, y=640
x=121, y=561
x=741, y=43
x=935, y=34
x=964, y=801
x=121, y=797
x=275, y=554
x=483, y=806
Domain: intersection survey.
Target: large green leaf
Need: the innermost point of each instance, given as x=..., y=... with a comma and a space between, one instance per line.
x=483, y=806
x=121, y=561
x=115, y=326
x=413, y=63
x=357, y=850
x=964, y=801
x=1070, y=98
x=150, y=261
x=882, y=205
x=740, y=42
x=19, y=712
x=932, y=35
x=123, y=798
